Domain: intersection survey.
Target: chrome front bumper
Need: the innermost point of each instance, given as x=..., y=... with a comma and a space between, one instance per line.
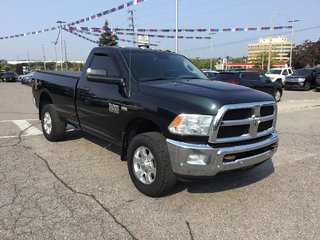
x=203, y=160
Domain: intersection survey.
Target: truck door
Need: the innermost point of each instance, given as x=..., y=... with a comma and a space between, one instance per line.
x=99, y=103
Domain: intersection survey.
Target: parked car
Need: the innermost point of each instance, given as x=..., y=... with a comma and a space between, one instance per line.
x=279, y=74
x=27, y=79
x=211, y=74
x=1, y=75
x=10, y=77
x=168, y=120
x=253, y=80
x=304, y=79
x=318, y=84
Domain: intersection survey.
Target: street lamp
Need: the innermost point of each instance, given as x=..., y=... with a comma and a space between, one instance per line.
x=61, y=44
x=211, y=58
x=177, y=46
x=292, y=30
x=271, y=26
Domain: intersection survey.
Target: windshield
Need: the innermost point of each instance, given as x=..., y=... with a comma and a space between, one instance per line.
x=274, y=72
x=302, y=72
x=9, y=74
x=148, y=66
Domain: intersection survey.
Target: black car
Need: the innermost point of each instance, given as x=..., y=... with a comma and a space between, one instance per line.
x=211, y=74
x=304, y=79
x=253, y=80
x=10, y=77
x=318, y=84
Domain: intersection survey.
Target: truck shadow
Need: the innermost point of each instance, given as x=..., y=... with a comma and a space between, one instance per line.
x=229, y=181
x=220, y=183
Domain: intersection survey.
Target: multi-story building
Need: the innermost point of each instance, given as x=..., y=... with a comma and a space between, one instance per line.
x=279, y=45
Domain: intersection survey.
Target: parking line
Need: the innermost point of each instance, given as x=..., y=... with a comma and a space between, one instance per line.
x=24, y=125
x=5, y=121
x=4, y=137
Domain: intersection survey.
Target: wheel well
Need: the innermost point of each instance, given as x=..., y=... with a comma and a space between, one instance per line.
x=135, y=127
x=44, y=99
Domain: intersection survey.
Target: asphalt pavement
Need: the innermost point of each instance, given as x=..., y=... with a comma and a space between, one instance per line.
x=79, y=189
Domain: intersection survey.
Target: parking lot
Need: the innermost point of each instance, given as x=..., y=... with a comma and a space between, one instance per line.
x=79, y=189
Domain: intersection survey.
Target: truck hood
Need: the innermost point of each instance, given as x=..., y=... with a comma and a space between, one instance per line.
x=200, y=95
x=274, y=75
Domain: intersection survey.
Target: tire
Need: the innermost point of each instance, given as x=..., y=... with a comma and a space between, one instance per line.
x=306, y=86
x=52, y=126
x=277, y=95
x=149, y=164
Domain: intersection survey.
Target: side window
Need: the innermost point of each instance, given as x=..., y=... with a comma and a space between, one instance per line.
x=244, y=76
x=285, y=72
x=290, y=71
x=253, y=77
x=104, y=62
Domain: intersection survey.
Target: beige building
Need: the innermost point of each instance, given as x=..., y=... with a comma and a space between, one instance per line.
x=279, y=45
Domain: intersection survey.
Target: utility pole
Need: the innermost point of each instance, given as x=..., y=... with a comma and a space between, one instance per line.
x=292, y=30
x=211, y=58
x=61, y=43
x=177, y=27
x=28, y=59
x=44, y=57
x=132, y=25
x=56, y=56
x=65, y=54
x=271, y=28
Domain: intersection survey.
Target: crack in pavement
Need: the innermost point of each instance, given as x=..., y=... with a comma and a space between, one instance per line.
x=93, y=197
x=19, y=138
x=190, y=231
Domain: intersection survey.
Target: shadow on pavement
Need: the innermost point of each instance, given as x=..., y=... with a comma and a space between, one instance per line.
x=228, y=181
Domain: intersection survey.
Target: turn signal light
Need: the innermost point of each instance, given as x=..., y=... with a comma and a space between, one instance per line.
x=234, y=82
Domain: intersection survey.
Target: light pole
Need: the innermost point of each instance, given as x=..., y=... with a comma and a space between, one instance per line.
x=292, y=30
x=211, y=58
x=44, y=57
x=55, y=52
x=177, y=25
x=271, y=28
x=61, y=44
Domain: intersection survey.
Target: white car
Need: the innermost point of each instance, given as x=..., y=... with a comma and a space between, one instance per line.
x=279, y=74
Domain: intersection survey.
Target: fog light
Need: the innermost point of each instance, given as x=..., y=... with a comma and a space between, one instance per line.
x=229, y=158
x=196, y=159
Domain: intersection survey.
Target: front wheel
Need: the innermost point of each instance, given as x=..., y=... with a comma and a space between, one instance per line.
x=52, y=126
x=277, y=95
x=149, y=164
x=307, y=86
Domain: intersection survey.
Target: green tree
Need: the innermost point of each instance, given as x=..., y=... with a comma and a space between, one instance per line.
x=261, y=61
x=306, y=54
x=203, y=62
x=107, y=38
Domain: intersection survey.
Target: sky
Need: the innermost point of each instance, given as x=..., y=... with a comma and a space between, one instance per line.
x=24, y=16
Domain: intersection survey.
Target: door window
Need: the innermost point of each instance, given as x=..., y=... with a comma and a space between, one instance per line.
x=106, y=63
x=253, y=77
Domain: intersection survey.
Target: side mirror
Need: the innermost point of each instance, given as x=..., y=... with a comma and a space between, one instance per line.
x=100, y=75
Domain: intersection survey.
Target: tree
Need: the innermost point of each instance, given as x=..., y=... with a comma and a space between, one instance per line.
x=306, y=54
x=261, y=61
x=203, y=63
x=107, y=38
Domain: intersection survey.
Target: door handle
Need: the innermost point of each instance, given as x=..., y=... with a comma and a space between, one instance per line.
x=84, y=88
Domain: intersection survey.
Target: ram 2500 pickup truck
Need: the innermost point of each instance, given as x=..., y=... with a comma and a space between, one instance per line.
x=168, y=119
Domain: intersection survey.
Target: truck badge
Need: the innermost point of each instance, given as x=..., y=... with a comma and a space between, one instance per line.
x=114, y=108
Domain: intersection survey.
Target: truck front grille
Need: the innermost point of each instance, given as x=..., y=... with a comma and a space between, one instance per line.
x=241, y=122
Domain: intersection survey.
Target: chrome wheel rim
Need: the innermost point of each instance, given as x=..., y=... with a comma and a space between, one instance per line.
x=144, y=165
x=277, y=96
x=47, y=123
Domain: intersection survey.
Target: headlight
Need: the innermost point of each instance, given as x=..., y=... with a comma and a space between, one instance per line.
x=301, y=79
x=191, y=124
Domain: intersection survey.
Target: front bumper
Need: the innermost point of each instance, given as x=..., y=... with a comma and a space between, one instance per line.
x=294, y=85
x=204, y=161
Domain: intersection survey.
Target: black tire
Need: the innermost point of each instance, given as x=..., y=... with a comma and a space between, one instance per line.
x=306, y=86
x=164, y=179
x=58, y=126
x=277, y=95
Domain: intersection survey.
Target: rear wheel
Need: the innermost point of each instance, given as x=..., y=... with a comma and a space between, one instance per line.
x=149, y=164
x=52, y=126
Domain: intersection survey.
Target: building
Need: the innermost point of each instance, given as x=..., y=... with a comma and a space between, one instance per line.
x=279, y=45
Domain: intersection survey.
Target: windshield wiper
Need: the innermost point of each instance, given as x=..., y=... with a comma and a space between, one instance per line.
x=156, y=79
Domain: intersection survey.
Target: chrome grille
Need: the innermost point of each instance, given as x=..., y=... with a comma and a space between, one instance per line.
x=240, y=122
